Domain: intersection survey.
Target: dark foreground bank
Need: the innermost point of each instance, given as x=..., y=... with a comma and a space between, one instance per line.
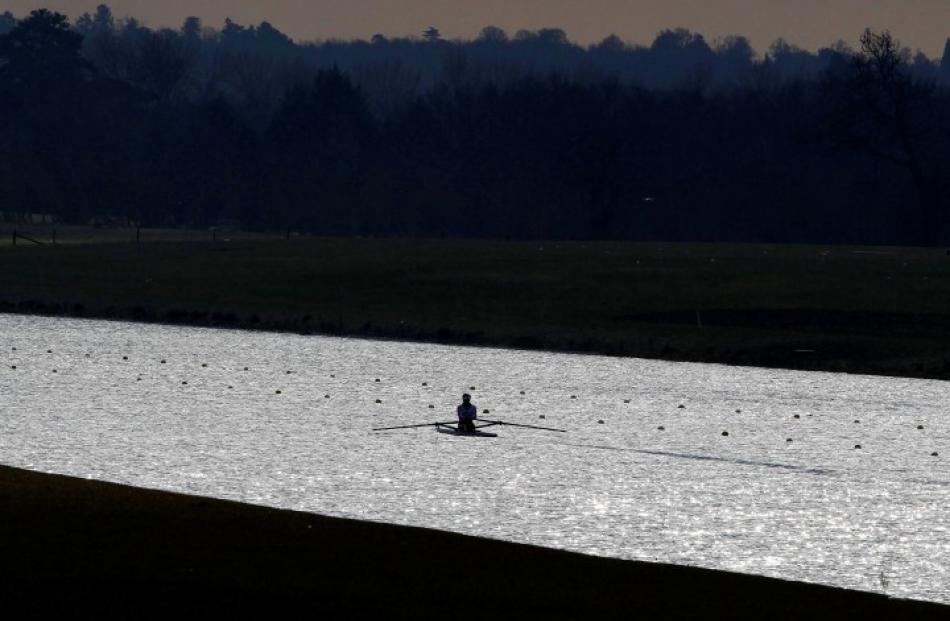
x=72, y=546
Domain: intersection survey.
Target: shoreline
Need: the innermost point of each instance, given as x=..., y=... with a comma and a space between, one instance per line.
x=233, y=321
x=114, y=550
x=834, y=309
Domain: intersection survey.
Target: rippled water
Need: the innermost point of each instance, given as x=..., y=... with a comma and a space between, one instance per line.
x=813, y=509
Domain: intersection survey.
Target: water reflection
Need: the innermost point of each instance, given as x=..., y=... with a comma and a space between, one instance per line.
x=812, y=509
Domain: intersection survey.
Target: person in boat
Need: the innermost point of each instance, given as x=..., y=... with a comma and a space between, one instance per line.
x=467, y=413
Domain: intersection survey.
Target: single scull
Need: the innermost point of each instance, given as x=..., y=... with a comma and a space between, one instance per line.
x=451, y=427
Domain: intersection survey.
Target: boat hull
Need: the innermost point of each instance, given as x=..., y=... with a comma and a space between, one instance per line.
x=467, y=434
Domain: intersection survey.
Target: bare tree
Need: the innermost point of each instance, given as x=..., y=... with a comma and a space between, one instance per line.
x=881, y=109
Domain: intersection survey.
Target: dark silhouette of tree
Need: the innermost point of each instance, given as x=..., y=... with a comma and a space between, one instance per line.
x=493, y=34
x=528, y=137
x=880, y=108
x=7, y=22
x=40, y=52
x=432, y=34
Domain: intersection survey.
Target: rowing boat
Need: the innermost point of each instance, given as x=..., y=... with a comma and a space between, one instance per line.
x=451, y=427
x=476, y=433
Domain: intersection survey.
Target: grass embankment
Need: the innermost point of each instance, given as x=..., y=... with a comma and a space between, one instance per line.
x=97, y=549
x=873, y=310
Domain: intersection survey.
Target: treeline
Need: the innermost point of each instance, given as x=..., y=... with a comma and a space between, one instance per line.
x=522, y=137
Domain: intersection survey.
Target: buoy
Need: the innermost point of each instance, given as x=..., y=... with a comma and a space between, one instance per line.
x=138, y=379
x=485, y=412
x=230, y=387
x=681, y=407
x=204, y=365
x=600, y=422
x=245, y=368
x=425, y=383
x=542, y=416
x=857, y=421
x=125, y=357
x=796, y=416
x=54, y=370
x=573, y=396
x=857, y=446
x=288, y=372
x=163, y=362
x=184, y=383
x=49, y=351
x=13, y=367
x=920, y=426
x=935, y=454
x=431, y=407
x=379, y=401
x=87, y=355
x=277, y=392
x=522, y=392
x=471, y=388
x=626, y=400
x=788, y=439
x=725, y=433
x=738, y=411
x=661, y=428
x=14, y=349
x=331, y=375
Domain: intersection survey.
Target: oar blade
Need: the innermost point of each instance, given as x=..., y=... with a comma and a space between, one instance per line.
x=411, y=426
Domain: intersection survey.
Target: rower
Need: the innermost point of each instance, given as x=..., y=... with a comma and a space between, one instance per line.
x=467, y=413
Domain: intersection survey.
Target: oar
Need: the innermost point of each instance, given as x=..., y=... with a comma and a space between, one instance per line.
x=501, y=422
x=411, y=426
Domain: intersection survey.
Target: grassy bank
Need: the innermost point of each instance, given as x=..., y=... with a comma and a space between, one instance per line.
x=71, y=545
x=872, y=310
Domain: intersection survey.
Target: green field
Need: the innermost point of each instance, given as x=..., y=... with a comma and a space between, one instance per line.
x=875, y=310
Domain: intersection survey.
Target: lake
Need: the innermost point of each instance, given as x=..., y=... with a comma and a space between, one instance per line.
x=784, y=494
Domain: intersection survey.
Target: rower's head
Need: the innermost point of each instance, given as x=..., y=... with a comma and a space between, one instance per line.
x=466, y=398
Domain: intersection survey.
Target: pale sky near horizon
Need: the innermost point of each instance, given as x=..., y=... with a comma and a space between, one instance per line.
x=919, y=24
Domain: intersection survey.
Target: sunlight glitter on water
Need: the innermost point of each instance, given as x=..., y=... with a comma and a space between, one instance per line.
x=813, y=509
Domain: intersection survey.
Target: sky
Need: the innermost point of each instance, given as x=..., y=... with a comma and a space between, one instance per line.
x=919, y=24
